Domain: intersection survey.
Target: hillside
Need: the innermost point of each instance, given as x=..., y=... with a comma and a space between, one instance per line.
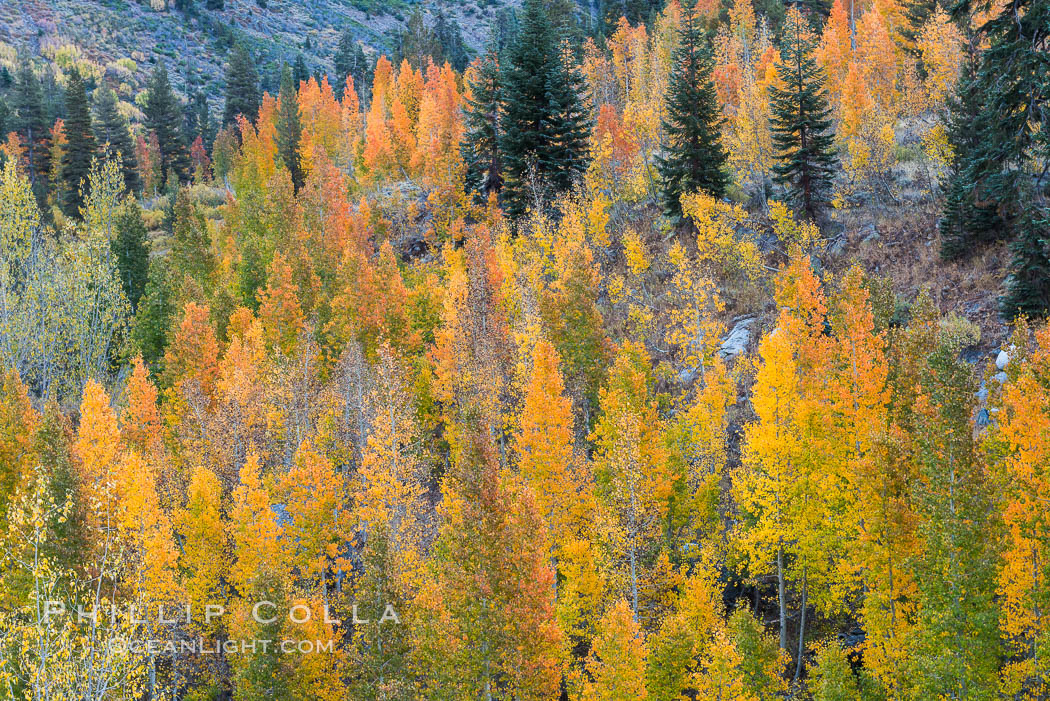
x=194, y=45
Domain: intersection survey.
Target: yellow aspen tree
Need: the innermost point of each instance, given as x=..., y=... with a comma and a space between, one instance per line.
x=616, y=665
x=18, y=426
x=789, y=485
x=561, y=486
x=692, y=654
x=256, y=535
x=942, y=48
x=389, y=512
x=99, y=450
x=205, y=558
x=314, y=496
x=631, y=470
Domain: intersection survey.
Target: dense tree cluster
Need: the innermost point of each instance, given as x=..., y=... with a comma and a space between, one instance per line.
x=435, y=360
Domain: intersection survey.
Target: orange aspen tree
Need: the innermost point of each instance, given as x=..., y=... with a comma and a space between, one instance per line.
x=140, y=420
x=836, y=49
x=280, y=312
x=439, y=132
x=1022, y=442
x=191, y=362
x=377, y=151
x=561, y=486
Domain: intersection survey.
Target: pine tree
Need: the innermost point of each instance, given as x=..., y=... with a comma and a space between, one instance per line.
x=480, y=147
x=289, y=128
x=416, y=43
x=80, y=147
x=450, y=41
x=694, y=158
x=802, y=131
x=543, y=130
x=300, y=73
x=350, y=62
x=113, y=137
x=164, y=118
x=967, y=221
x=31, y=124
x=1028, y=285
x=242, y=87
x=132, y=252
x=998, y=127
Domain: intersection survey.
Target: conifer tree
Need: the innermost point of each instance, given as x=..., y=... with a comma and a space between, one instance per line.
x=30, y=122
x=289, y=128
x=801, y=119
x=998, y=132
x=543, y=126
x=480, y=146
x=350, y=62
x=80, y=144
x=132, y=252
x=242, y=86
x=113, y=137
x=153, y=318
x=694, y=158
x=450, y=41
x=164, y=117
x=300, y=73
x=1028, y=285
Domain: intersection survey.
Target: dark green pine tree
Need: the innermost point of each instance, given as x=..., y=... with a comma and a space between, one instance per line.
x=1028, y=285
x=693, y=157
x=80, y=144
x=113, y=137
x=5, y=114
x=242, y=86
x=346, y=62
x=164, y=116
x=450, y=39
x=416, y=43
x=289, y=129
x=300, y=73
x=30, y=122
x=480, y=147
x=801, y=123
x=1001, y=123
x=204, y=127
x=543, y=128
x=131, y=249
x=215, y=4
x=967, y=221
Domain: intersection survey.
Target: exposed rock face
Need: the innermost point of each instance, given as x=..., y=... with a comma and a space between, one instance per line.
x=1001, y=360
x=736, y=342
